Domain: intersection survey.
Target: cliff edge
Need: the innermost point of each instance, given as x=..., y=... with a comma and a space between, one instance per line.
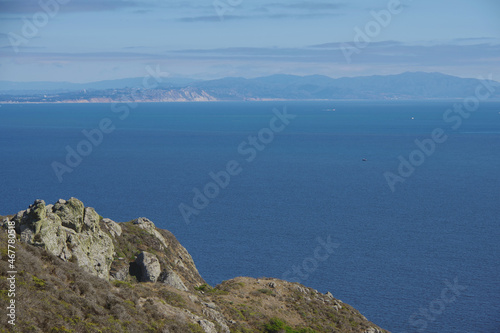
x=80, y=272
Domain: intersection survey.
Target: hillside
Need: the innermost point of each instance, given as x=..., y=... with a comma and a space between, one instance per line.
x=409, y=85
x=80, y=272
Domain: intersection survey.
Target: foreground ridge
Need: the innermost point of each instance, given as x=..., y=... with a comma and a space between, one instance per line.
x=80, y=272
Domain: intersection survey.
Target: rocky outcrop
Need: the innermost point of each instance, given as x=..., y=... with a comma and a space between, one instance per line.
x=112, y=227
x=213, y=314
x=150, y=228
x=107, y=249
x=70, y=231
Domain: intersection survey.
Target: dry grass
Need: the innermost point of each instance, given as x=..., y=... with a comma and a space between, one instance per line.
x=57, y=296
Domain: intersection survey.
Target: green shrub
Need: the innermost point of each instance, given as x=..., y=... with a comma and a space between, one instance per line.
x=195, y=328
x=209, y=290
x=39, y=283
x=122, y=284
x=61, y=329
x=204, y=287
x=277, y=325
x=265, y=291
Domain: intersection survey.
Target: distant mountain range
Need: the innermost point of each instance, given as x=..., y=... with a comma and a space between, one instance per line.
x=47, y=87
x=409, y=85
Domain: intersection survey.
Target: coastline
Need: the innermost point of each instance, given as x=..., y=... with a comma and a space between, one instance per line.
x=229, y=101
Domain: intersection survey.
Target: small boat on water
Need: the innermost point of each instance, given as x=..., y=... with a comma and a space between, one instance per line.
x=364, y=160
x=328, y=109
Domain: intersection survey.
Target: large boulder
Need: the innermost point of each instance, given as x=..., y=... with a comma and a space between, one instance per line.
x=169, y=277
x=149, y=266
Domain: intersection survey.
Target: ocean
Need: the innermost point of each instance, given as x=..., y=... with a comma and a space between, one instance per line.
x=336, y=195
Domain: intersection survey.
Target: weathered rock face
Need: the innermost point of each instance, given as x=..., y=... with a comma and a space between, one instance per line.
x=71, y=213
x=121, y=251
x=148, y=226
x=112, y=227
x=149, y=266
x=70, y=231
x=169, y=277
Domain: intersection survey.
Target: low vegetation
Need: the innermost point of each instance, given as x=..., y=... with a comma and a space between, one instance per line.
x=53, y=295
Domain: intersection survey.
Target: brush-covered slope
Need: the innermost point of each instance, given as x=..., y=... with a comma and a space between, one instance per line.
x=79, y=272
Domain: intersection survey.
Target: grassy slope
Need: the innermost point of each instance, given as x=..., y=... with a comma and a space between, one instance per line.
x=57, y=296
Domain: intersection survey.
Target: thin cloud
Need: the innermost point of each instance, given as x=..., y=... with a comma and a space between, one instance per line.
x=212, y=18
x=486, y=40
x=294, y=10
x=84, y=57
x=309, y=5
x=271, y=16
x=381, y=55
x=301, y=15
x=143, y=11
x=33, y=6
x=388, y=52
x=338, y=45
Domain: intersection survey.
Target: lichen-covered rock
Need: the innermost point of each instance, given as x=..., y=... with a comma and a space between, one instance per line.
x=169, y=277
x=71, y=213
x=122, y=274
x=150, y=227
x=112, y=227
x=68, y=230
x=149, y=265
x=90, y=220
x=207, y=326
x=373, y=330
x=215, y=315
x=93, y=251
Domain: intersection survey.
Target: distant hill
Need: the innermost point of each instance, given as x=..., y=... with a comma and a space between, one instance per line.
x=19, y=88
x=402, y=86
x=409, y=85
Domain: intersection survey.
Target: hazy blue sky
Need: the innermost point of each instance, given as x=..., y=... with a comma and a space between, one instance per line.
x=89, y=40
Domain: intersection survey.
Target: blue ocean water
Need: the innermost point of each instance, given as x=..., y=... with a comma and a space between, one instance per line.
x=396, y=252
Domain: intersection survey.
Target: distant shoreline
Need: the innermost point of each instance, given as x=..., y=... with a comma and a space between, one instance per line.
x=405, y=86
x=242, y=101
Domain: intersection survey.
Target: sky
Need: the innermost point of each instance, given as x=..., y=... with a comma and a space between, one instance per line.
x=93, y=40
